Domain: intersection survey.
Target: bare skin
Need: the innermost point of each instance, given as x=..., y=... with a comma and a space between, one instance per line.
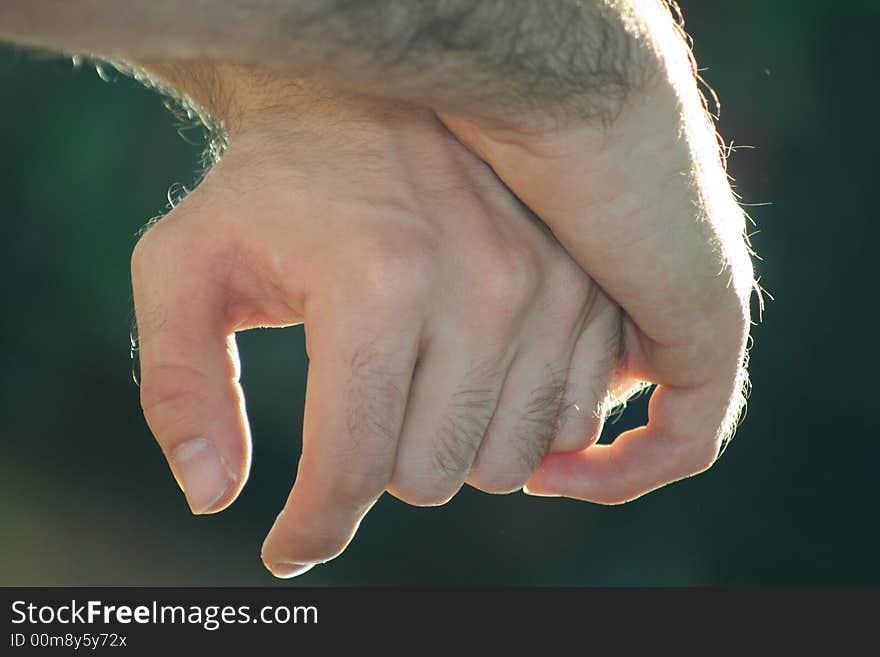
x=645, y=207
x=452, y=336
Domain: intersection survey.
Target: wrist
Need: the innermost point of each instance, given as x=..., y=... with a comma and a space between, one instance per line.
x=226, y=96
x=243, y=100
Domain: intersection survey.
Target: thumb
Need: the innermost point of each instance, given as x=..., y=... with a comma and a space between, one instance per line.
x=189, y=366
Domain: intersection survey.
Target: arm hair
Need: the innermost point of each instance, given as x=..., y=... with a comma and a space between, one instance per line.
x=488, y=57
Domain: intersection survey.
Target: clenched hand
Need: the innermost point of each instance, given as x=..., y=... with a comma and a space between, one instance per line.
x=451, y=338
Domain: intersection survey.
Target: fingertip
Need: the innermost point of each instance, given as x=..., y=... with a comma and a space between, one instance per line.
x=204, y=476
x=287, y=570
x=302, y=536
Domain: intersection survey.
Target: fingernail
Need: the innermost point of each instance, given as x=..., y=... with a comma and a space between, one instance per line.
x=285, y=570
x=201, y=473
x=529, y=491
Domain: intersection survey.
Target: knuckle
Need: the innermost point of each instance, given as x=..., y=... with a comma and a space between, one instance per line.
x=498, y=483
x=507, y=469
x=570, y=283
x=168, y=398
x=435, y=479
x=511, y=279
x=424, y=490
x=568, y=303
x=507, y=282
x=499, y=479
x=161, y=250
x=577, y=433
x=702, y=457
x=456, y=446
x=171, y=245
x=395, y=276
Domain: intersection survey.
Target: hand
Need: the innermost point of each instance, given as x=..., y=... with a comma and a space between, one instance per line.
x=450, y=337
x=644, y=205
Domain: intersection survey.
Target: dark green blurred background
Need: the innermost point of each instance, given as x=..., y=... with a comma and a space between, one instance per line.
x=86, y=497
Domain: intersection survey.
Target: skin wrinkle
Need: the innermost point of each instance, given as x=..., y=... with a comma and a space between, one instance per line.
x=509, y=57
x=542, y=419
x=471, y=409
x=370, y=391
x=463, y=429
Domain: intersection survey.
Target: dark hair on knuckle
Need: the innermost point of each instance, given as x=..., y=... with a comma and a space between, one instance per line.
x=463, y=428
x=543, y=418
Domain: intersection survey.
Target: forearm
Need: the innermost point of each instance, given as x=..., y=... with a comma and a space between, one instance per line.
x=464, y=55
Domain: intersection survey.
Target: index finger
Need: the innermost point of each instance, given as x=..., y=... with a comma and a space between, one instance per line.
x=358, y=384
